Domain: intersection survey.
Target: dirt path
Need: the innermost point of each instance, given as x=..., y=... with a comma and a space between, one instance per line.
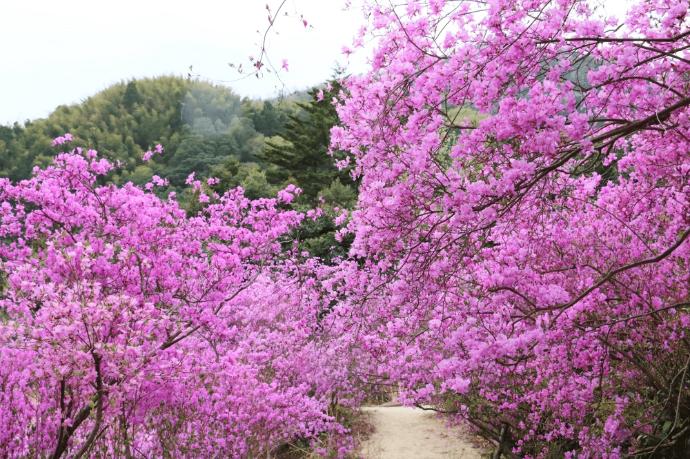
x=410, y=433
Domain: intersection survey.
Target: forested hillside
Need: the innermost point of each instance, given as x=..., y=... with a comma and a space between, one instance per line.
x=204, y=128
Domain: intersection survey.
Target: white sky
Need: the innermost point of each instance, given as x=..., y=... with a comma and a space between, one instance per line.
x=56, y=52
x=60, y=52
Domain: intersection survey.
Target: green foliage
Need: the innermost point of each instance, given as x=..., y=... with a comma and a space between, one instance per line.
x=300, y=152
x=300, y=155
x=139, y=175
x=338, y=195
x=318, y=237
x=199, y=124
x=267, y=118
x=250, y=176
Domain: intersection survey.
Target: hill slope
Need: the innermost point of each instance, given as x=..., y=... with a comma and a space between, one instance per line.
x=201, y=125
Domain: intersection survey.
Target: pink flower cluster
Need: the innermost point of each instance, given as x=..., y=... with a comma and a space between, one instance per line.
x=128, y=327
x=158, y=150
x=523, y=225
x=63, y=139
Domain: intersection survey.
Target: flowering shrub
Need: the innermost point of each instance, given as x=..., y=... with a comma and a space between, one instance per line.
x=128, y=328
x=523, y=220
x=520, y=259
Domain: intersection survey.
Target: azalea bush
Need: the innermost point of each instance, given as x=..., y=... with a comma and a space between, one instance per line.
x=131, y=328
x=519, y=259
x=521, y=237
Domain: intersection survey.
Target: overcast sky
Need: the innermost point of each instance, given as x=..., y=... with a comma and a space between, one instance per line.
x=60, y=52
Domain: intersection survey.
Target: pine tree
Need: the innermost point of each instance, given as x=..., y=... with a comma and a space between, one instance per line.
x=300, y=153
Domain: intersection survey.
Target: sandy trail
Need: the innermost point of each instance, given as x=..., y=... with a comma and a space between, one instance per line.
x=410, y=433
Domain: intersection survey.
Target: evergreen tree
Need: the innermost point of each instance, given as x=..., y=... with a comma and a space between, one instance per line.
x=268, y=119
x=131, y=96
x=300, y=153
